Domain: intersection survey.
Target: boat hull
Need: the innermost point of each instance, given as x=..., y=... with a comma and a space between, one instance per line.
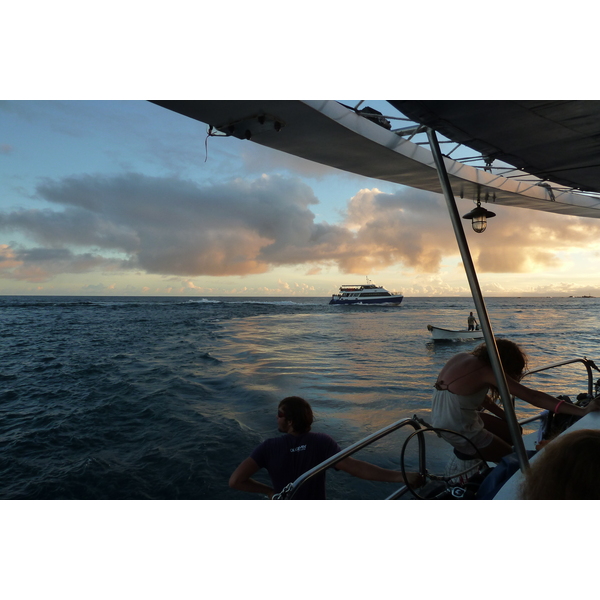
x=387, y=300
x=439, y=333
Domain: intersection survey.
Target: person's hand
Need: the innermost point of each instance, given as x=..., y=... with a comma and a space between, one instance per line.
x=593, y=405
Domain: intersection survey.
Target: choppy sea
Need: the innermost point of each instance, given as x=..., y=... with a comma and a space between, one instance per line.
x=161, y=398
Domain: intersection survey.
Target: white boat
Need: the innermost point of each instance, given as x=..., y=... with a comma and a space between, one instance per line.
x=533, y=154
x=439, y=333
x=368, y=293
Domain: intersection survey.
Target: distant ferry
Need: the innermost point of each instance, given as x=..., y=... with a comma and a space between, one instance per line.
x=365, y=294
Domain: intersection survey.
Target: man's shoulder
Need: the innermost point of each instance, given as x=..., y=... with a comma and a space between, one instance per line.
x=280, y=440
x=316, y=435
x=322, y=440
x=289, y=441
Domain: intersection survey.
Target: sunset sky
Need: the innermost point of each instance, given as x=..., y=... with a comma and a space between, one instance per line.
x=124, y=198
x=121, y=197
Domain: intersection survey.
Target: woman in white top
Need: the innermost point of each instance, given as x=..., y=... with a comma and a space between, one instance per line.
x=462, y=393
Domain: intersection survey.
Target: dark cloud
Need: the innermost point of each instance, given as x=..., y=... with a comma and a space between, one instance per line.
x=172, y=226
x=38, y=265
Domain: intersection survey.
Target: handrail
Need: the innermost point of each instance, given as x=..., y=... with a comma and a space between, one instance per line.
x=531, y=419
x=589, y=365
x=293, y=487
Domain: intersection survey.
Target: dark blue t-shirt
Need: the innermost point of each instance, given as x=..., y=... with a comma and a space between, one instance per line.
x=289, y=456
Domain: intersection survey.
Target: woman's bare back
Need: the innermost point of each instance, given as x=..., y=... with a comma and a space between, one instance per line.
x=464, y=374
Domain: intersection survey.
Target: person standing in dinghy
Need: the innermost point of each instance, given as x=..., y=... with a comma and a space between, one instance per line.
x=462, y=394
x=472, y=322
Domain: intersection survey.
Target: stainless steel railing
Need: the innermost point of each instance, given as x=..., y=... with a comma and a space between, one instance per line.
x=289, y=491
x=587, y=363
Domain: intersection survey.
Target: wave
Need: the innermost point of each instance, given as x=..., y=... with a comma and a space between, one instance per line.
x=230, y=302
x=271, y=302
x=155, y=399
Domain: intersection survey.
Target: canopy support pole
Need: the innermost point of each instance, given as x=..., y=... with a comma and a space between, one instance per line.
x=488, y=334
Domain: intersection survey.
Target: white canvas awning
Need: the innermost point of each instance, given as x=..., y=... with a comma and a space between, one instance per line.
x=330, y=133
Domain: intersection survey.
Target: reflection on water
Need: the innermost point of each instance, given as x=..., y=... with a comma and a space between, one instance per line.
x=164, y=397
x=363, y=369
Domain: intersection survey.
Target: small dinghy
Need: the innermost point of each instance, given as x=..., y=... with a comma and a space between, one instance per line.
x=438, y=333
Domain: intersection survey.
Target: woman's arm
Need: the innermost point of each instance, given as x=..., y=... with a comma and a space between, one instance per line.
x=489, y=405
x=366, y=470
x=547, y=402
x=241, y=479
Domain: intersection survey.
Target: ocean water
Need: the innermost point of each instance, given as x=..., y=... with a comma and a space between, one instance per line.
x=161, y=398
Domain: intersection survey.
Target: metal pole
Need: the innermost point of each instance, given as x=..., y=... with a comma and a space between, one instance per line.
x=488, y=334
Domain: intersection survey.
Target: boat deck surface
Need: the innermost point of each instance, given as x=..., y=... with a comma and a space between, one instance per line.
x=510, y=490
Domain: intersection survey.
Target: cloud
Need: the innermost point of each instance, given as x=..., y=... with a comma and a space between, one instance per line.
x=520, y=241
x=172, y=226
x=8, y=260
x=38, y=265
x=514, y=259
x=409, y=227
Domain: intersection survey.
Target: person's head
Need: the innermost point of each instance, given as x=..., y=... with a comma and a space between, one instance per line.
x=514, y=360
x=295, y=411
x=568, y=468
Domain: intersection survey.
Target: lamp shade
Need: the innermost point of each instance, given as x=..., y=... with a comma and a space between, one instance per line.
x=479, y=217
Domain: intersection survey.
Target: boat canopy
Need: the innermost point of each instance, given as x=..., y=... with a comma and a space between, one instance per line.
x=328, y=132
x=557, y=140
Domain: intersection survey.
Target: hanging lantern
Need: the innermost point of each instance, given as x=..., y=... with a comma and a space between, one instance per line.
x=479, y=217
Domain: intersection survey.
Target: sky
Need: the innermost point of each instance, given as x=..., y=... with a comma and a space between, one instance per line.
x=127, y=198
x=104, y=193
